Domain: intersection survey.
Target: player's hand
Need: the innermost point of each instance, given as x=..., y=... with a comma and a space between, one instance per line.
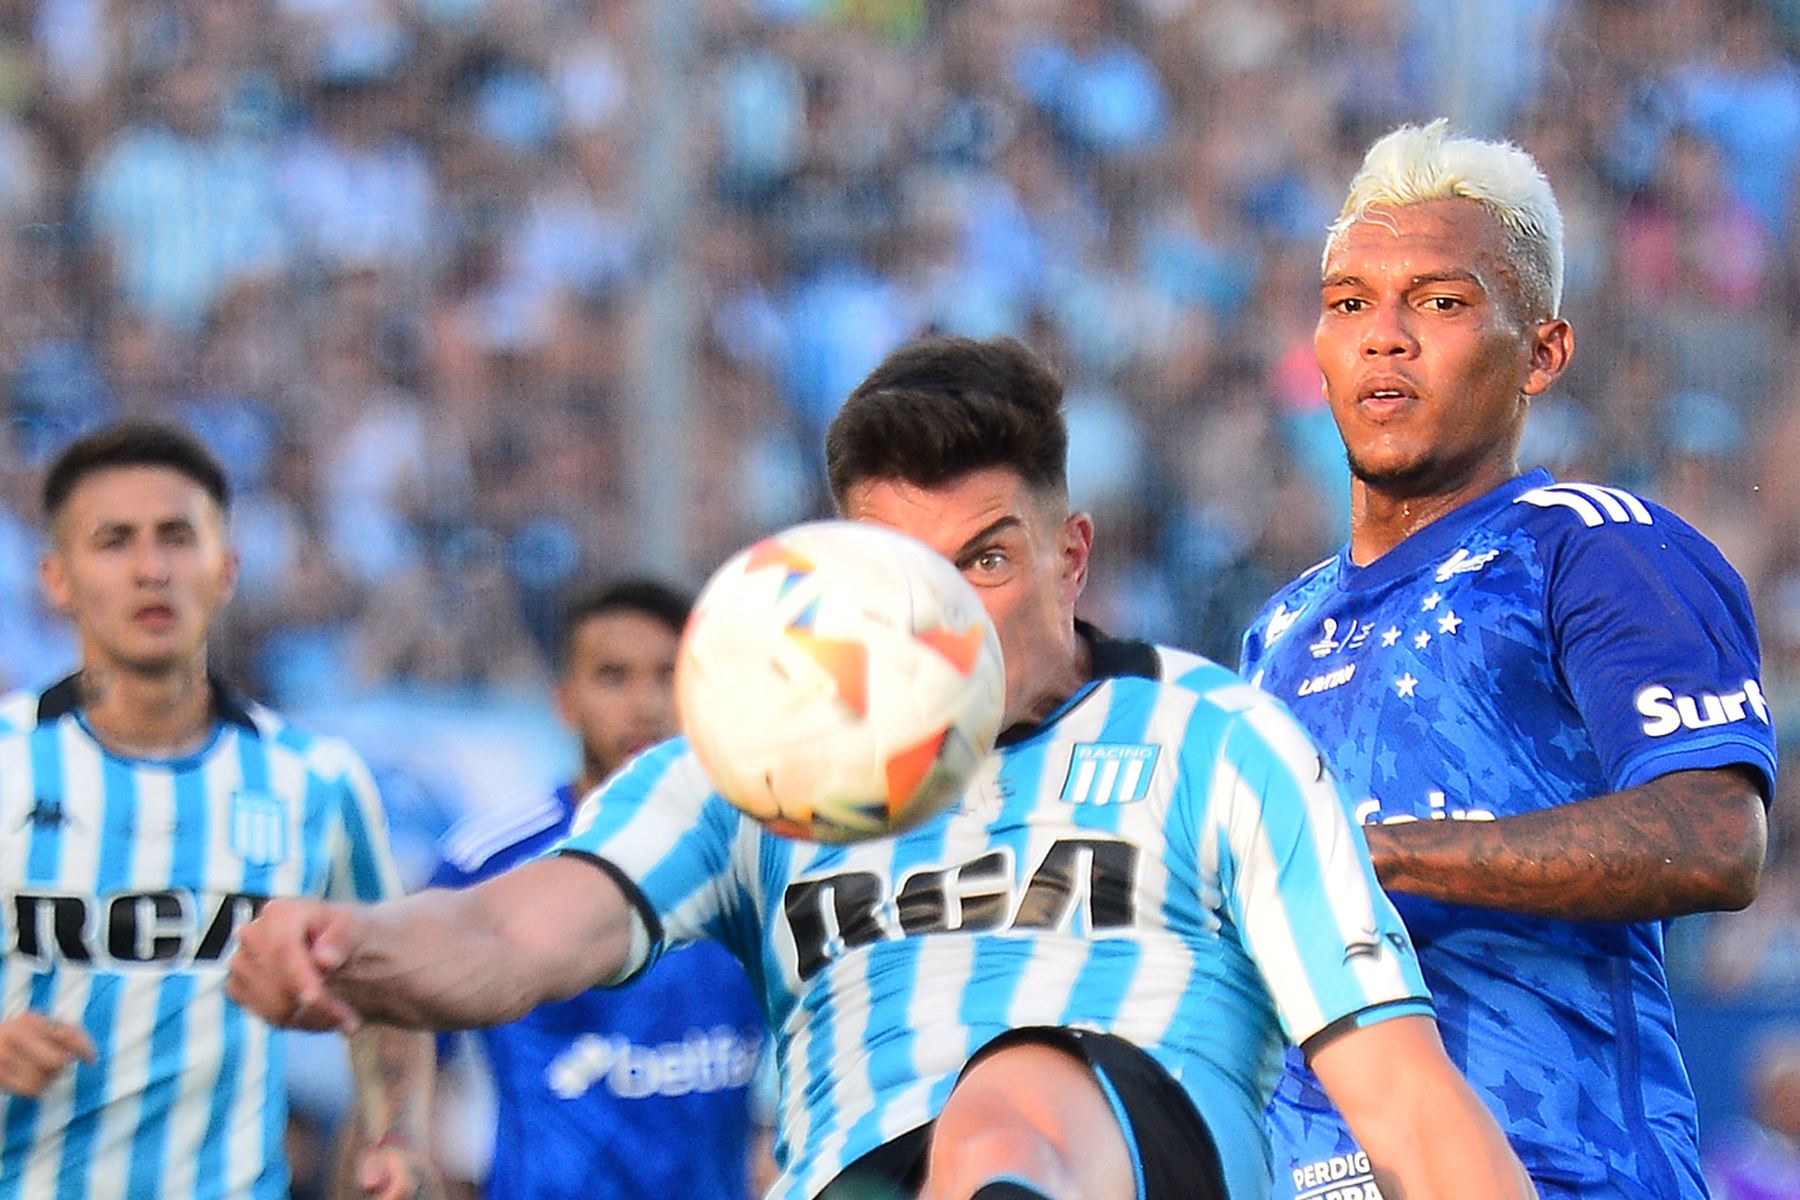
x=34, y=1049
x=284, y=961
x=397, y=1170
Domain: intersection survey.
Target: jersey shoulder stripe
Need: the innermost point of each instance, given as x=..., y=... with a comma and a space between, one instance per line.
x=18, y=712
x=1194, y=672
x=1593, y=504
x=326, y=756
x=1316, y=568
x=480, y=836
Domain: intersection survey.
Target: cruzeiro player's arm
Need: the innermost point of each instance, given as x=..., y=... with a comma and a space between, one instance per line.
x=1688, y=841
x=1653, y=634
x=1340, y=967
x=384, y=1152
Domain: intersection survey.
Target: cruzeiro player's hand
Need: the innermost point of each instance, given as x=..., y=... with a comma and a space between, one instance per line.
x=34, y=1049
x=393, y=1168
x=284, y=961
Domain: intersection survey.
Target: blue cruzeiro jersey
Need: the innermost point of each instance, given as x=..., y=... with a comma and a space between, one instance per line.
x=1165, y=858
x=123, y=883
x=640, y=1092
x=1542, y=644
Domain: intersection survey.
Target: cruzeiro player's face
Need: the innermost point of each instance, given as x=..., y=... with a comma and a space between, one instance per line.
x=139, y=562
x=1024, y=552
x=1427, y=359
x=618, y=689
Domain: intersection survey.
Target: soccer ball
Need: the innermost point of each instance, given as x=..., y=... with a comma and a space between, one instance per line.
x=839, y=681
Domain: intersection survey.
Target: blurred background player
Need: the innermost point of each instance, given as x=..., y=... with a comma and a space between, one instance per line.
x=1759, y=1155
x=1546, y=696
x=937, y=998
x=146, y=813
x=646, y=1087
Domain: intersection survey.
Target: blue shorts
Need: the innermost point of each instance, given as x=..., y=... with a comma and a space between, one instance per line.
x=1311, y=1153
x=1313, y=1157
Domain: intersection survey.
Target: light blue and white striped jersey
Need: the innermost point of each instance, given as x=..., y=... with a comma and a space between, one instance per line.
x=1164, y=858
x=122, y=885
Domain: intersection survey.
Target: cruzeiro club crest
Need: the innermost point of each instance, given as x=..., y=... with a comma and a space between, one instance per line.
x=259, y=828
x=1109, y=772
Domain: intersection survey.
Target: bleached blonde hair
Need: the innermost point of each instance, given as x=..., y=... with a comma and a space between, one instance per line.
x=1415, y=164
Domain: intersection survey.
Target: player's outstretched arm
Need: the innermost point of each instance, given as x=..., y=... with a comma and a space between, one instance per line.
x=438, y=959
x=1427, y=1135
x=1688, y=841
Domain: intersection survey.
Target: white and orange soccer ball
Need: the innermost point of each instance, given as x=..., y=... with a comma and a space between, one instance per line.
x=840, y=681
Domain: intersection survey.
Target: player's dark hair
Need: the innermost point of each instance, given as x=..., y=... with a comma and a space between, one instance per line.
x=940, y=407
x=654, y=599
x=133, y=444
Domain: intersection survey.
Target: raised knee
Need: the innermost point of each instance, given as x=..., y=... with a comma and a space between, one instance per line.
x=964, y=1156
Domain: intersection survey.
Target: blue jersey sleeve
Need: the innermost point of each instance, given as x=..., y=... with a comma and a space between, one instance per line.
x=1297, y=880
x=449, y=875
x=1657, y=643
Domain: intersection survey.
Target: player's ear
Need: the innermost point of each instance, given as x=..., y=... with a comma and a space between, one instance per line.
x=1552, y=346
x=1076, y=549
x=53, y=577
x=565, y=702
x=228, y=577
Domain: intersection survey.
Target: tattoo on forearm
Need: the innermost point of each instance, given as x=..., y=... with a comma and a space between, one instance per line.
x=393, y=1074
x=1686, y=842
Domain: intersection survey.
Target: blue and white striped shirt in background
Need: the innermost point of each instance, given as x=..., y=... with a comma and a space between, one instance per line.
x=122, y=885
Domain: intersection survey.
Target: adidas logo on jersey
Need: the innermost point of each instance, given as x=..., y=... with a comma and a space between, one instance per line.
x=1595, y=505
x=1665, y=712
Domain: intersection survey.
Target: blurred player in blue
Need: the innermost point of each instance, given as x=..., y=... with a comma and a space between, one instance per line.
x=146, y=813
x=1543, y=696
x=645, y=1086
x=1074, y=983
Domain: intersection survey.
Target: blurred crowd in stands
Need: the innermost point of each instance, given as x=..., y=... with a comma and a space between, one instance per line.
x=388, y=257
